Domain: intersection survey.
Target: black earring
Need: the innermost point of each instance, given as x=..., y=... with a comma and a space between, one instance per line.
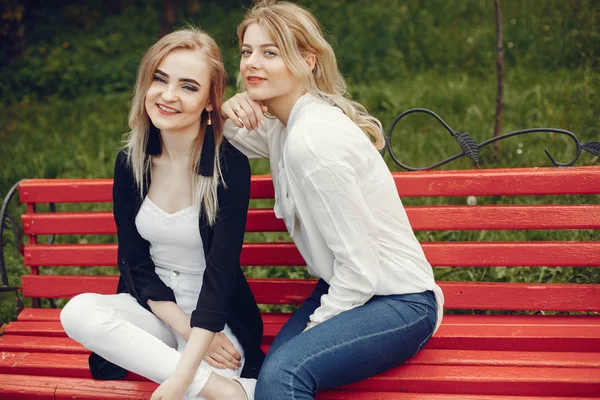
x=153, y=147
x=207, y=156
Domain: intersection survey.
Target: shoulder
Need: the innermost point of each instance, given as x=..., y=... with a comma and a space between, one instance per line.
x=233, y=161
x=124, y=182
x=235, y=170
x=324, y=135
x=122, y=168
x=121, y=160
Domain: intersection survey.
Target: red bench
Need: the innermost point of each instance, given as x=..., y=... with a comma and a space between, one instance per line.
x=472, y=356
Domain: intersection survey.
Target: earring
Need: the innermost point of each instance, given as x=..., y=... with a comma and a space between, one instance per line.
x=207, y=155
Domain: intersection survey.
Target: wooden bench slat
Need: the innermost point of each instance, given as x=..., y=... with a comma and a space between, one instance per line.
x=533, y=381
x=76, y=365
x=20, y=387
x=458, y=295
x=485, y=380
x=541, y=321
x=27, y=387
x=586, y=377
x=421, y=218
x=454, y=333
x=374, y=395
x=39, y=314
x=485, y=182
x=439, y=254
x=40, y=344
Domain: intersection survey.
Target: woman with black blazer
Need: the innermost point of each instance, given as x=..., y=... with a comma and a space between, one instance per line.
x=183, y=315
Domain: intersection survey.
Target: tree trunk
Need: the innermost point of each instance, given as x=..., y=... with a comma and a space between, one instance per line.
x=12, y=35
x=500, y=74
x=168, y=16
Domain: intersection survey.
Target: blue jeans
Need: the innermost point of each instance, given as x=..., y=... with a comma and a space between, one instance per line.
x=354, y=345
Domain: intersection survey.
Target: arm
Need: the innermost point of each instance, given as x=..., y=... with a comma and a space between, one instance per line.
x=221, y=353
x=253, y=144
x=349, y=230
x=247, y=127
x=176, y=386
x=171, y=314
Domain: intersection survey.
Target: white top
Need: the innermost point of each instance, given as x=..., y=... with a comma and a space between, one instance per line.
x=340, y=205
x=175, y=241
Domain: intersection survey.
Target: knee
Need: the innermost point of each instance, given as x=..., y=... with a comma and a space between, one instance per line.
x=271, y=380
x=281, y=376
x=273, y=370
x=79, y=318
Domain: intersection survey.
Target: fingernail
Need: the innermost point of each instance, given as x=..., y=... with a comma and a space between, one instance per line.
x=262, y=122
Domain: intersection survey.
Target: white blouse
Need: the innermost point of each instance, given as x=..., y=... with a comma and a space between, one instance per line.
x=175, y=241
x=340, y=205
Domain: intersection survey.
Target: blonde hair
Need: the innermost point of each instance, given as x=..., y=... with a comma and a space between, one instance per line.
x=297, y=34
x=204, y=187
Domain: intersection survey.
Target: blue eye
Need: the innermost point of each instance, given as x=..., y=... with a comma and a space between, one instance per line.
x=246, y=52
x=270, y=53
x=158, y=79
x=190, y=88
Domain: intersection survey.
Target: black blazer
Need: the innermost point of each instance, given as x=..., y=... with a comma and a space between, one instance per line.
x=225, y=296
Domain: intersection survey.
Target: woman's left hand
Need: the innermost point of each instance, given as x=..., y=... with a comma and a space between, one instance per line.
x=173, y=388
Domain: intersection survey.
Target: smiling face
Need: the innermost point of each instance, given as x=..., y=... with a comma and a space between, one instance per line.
x=179, y=92
x=266, y=76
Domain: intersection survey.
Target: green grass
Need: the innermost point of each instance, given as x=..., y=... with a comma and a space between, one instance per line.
x=79, y=139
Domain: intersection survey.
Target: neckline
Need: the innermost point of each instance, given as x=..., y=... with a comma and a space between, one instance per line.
x=159, y=209
x=299, y=104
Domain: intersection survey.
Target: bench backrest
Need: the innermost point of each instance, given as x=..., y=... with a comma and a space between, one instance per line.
x=442, y=253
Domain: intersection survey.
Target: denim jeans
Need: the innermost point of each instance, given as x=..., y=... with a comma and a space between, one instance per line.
x=353, y=345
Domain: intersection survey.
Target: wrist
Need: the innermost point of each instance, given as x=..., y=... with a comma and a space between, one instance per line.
x=184, y=377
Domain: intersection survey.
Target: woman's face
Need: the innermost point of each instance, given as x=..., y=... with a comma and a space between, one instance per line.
x=265, y=74
x=179, y=91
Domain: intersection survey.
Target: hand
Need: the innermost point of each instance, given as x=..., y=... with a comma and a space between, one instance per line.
x=243, y=111
x=173, y=388
x=221, y=354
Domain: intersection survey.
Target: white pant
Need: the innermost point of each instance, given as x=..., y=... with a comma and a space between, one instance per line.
x=117, y=328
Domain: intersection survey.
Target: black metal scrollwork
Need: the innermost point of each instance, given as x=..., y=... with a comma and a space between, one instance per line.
x=471, y=149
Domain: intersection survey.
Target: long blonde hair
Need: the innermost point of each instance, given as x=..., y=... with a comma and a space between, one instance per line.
x=297, y=34
x=205, y=187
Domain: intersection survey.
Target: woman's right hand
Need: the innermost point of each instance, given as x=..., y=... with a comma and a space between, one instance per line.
x=222, y=354
x=244, y=112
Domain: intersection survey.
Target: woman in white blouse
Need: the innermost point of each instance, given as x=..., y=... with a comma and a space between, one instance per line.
x=376, y=304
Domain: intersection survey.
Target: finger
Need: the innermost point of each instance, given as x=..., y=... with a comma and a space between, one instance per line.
x=227, y=356
x=256, y=109
x=232, y=351
x=231, y=115
x=214, y=363
x=223, y=360
x=227, y=345
x=246, y=114
x=227, y=112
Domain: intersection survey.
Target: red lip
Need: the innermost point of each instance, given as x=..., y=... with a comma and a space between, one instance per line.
x=255, y=79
